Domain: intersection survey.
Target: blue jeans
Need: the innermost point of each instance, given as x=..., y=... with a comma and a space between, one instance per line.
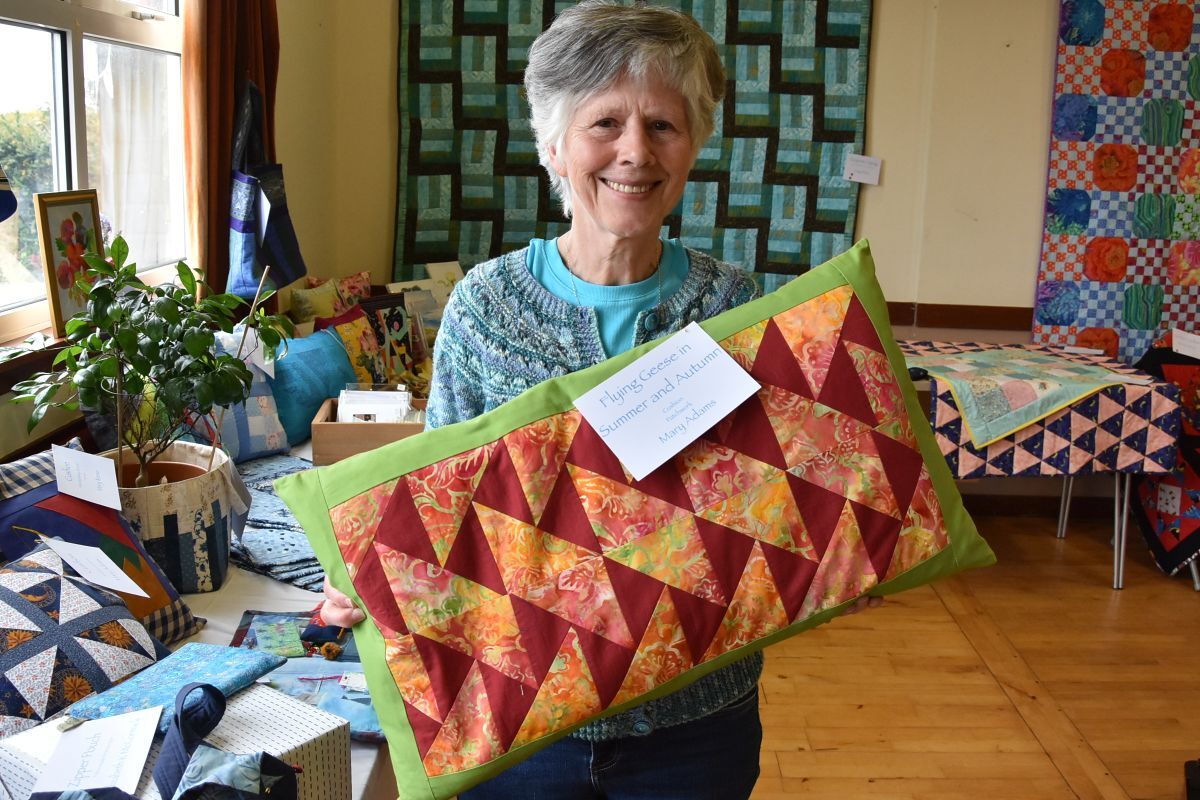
x=712, y=758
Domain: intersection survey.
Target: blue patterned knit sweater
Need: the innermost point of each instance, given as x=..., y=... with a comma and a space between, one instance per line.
x=503, y=333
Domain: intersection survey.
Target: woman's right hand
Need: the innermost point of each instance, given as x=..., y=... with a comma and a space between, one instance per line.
x=338, y=609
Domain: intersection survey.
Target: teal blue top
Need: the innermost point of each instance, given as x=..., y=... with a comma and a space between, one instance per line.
x=617, y=307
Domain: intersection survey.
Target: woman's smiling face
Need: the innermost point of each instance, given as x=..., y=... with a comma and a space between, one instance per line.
x=626, y=154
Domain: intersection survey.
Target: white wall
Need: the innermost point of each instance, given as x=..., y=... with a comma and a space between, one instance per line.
x=958, y=108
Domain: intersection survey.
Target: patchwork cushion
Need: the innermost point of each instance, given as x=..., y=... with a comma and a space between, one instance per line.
x=251, y=429
x=350, y=289
x=362, y=347
x=23, y=475
x=45, y=511
x=60, y=640
x=308, y=304
x=518, y=582
x=312, y=370
x=349, y=315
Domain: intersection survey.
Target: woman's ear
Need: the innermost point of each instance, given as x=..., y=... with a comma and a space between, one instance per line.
x=556, y=161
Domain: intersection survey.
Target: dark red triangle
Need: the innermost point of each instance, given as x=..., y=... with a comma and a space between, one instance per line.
x=793, y=576
x=564, y=515
x=542, y=634
x=447, y=670
x=666, y=484
x=401, y=527
x=471, y=556
x=902, y=465
x=371, y=583
x=510, y=700
x=857, y=326
x=879, y=534
x=776, y=364
x=425, y=729
x=728, y=551
x=699, y=619
x=819, y=508
x=589, y=451
x=500, y=488
x=637, y=594
x=607, y=660
x=755, y=436
x=843, y=390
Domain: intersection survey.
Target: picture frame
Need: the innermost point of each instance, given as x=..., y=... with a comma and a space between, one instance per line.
x=68, y=226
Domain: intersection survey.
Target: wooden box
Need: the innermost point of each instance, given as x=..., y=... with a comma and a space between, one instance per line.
x=332, y=440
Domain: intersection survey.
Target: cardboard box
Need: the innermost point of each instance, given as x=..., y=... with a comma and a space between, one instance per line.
x=332, y=441
x=258, y=718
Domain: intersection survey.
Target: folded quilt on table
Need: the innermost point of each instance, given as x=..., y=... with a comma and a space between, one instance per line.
x=1004, y=390
x=273, y=543
x=518, y=583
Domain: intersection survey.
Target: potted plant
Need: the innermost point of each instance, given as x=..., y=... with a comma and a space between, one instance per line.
x=148, y=355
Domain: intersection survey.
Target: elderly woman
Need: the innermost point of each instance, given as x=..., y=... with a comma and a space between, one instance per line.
x=622, y=99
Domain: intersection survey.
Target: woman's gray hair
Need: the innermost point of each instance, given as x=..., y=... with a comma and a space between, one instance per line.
x=591, y=46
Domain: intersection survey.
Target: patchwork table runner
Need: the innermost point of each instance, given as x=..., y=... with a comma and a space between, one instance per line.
x=1121, y=428
x=519, y=583
x=1003, y=390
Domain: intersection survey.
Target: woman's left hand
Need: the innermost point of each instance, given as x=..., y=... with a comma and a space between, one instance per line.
x=863, y=603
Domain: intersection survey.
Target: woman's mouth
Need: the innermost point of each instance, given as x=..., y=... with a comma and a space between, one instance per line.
x=628, y=188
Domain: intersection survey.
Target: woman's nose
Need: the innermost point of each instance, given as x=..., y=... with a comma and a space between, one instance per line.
x=636, y=148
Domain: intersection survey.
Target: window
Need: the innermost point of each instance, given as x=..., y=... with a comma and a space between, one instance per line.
x=92, y=98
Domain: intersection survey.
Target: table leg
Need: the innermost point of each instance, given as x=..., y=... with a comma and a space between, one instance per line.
x=1064, y=507
x=1120, y=533
x=1196, y=574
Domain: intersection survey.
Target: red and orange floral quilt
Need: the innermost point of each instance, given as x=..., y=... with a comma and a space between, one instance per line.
x=519, y=583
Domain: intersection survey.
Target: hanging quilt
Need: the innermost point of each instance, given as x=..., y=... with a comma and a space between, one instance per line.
x=519, y=583
x=767, y=188
x=1121, y=242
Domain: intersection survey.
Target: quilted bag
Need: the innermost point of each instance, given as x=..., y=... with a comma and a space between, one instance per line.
x=519, y=583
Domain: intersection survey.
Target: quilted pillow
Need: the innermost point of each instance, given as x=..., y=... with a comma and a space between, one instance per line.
x=60, y=640
x=308, y=304
x=362, y=347
x=518, y=582
x=251, y=429
x=26, y=474
x=49, y=513
x=312, y=370
x=349, y=315
x=350, y=289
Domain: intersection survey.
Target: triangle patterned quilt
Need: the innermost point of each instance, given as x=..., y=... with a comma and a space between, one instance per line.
x=519, y=583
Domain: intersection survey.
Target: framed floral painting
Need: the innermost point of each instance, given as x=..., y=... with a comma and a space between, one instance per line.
x=68, y=227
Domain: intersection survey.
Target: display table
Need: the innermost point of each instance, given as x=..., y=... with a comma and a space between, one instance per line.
x=1125, y=429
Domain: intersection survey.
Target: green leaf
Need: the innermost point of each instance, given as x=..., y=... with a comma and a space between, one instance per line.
x=39, y=411
x=167, y=309
x=204, y=395
x=187, y=277
x=119, y=251
x=197, y=342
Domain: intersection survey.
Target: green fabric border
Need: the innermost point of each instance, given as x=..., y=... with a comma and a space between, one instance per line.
x=312, y=493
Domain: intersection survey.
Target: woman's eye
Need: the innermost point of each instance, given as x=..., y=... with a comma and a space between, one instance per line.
x=663, y=125
x=606, y=123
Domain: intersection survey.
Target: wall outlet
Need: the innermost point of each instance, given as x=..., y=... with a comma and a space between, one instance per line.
x=1168, y=499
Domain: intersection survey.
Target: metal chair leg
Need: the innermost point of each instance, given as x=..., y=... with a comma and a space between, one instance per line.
x=1064, y=507
x=1120, y=532
x=1196, y=574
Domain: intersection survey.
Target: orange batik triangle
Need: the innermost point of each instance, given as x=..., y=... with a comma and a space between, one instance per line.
x=567, y=695
x=442, y=494
x=804, y=428
x=426, y=593
x=662, y=653
x=468, y=736
x=584, y=595
x=743, y=345
x=757, y=609
x=845, y=571
x=676, y=556
x=356, y=520
x=538, y=451
x=412, y=679
x=619, y=513
x=812, y=331
x=768, y=513
x=526, y=556
x=490, y=634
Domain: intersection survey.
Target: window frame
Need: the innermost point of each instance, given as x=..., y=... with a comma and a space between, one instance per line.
x=74, y=20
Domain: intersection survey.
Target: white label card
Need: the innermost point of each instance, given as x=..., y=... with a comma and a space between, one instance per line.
x=1184, y=343
x=862, y=169
x=94, y=566
x=102, y=753
x=86, y=476
x=659, y=404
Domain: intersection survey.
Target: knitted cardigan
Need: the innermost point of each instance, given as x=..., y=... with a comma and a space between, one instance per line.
x=503, y=332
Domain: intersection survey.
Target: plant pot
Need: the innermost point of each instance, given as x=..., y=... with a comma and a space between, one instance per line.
x=186, y=523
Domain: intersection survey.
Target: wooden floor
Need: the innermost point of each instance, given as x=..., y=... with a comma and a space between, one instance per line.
x=1030, y=679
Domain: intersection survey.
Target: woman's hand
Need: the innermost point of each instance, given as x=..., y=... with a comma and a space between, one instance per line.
x=338, y=609
x=860, y=604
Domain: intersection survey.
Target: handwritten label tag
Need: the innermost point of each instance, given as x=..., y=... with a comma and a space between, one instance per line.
x=662, y=402
x=1184, y=343
x=86, y=476
x=101, y=753
x=862, y=169
x=94, y=566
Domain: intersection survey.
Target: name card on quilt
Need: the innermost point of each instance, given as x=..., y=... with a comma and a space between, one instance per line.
x=663, y=401
x=86, y=476
x=519, y=582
